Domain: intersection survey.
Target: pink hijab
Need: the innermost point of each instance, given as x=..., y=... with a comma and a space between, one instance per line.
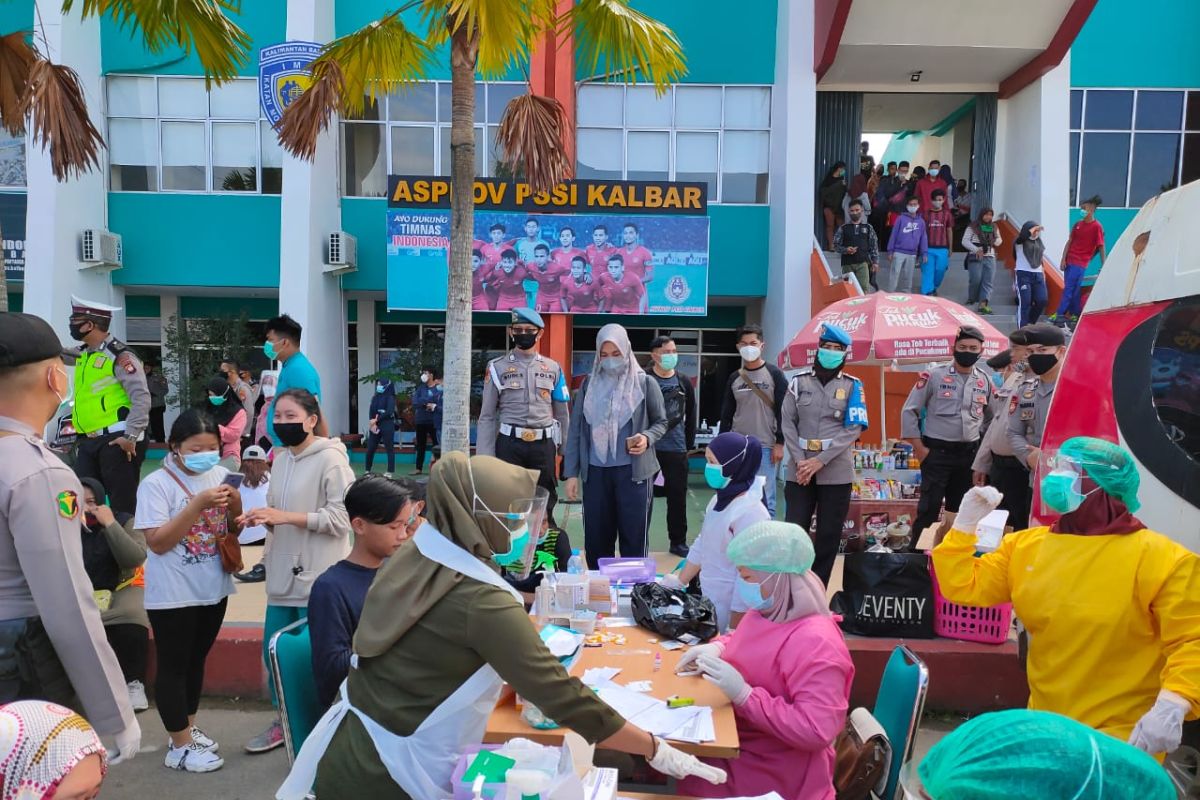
x=793, y=596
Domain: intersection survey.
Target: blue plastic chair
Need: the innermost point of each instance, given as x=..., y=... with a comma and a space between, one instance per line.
x=290, y=653
x=899, y=706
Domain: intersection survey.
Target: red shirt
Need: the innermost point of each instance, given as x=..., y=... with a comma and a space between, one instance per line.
x=637, y=261
x=491, y=252
x=563, y=257
x=580, y=297
x=926, y=188
x=549, y=286
x=624, y=297
x=598, y=258
x=1086, y=239
x=939, y=227
x=479, y=298
x=510, y=288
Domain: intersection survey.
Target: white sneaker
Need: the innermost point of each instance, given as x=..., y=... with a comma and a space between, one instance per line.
x=204, y=740
x=137, y=695
x=193, y=758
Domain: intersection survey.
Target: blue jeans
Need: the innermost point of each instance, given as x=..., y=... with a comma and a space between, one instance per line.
x=1072, y=296
x=1031, y=297
x=615, y=510
x=771, y=473
x=934, y=269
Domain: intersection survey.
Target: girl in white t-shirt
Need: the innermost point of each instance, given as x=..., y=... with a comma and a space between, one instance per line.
x=182, y=509
x=255, y=483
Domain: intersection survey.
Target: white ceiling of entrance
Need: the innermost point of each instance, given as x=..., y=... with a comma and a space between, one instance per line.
x=902, y=111
x=966, y=46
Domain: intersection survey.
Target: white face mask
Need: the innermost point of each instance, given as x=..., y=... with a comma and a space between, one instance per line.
x=750, y=353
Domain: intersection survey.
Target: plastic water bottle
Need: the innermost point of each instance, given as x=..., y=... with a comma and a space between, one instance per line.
x=575, y=565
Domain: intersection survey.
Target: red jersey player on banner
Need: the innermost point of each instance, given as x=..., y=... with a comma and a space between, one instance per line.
x=508, y=279
x=480, y=274
x=564, y=255
x=548, y=276
x=579, y=290
x=636, y=258
x=599, y=250
x=621, y=292
x=499, y=243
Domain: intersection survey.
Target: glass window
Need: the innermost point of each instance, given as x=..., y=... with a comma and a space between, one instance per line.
x=719, y=342
x=696, y=159
x=649, y=156
x=1191, y=157
x=271, y=177
x=744, y=158
x=393, y=336
x=184, y=156
x=600, y=104
x=645, y=109
x=498, y=95
x=234, y=100
x=1159, y=111
x=1155, y=160
x=133, y=155
x=412, y=151
x=599, y=154
x=747, y=107
x=131, y=97
x=698, y=107
x=1074, y=166
x=445, y=99
x=1175, y=377
x=234, y=158
x=1076, y=108
x=444, y=134
x=1193, y=111
x=182, y=97
x=1109, y=109
x=1105, y=166
x=364, y=167
x=415, y=103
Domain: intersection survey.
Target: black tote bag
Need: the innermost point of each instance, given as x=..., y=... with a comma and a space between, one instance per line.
x=886, y=594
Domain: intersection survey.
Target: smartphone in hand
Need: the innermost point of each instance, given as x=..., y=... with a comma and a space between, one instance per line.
x=234, y=479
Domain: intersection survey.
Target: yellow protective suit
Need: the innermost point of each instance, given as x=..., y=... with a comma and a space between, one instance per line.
x=1111, y=619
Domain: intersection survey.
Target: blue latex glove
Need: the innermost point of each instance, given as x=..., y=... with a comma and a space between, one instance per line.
x=1160, y=730
x=726, y=677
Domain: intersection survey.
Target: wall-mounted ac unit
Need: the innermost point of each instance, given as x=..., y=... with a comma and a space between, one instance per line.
x=341, y=253
x=100, y=249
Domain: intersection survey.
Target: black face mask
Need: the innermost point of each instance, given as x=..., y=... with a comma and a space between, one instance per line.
x=1041, y=363
x=855, y=216
x=525, y=341
x=965, y=359
x=290, y=433
x=75, y=328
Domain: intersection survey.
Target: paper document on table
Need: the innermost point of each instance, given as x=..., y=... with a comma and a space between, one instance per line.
x=561, y=641
x=626, y=703
x=598, y=676
x=639, y=686
x=663, y=721
x=698, y=729
x=619, y=622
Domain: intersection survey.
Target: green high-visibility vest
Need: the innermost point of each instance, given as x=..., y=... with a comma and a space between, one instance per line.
x=99, y=396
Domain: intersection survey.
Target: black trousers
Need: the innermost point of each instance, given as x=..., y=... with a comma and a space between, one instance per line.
x=106, y=462
x=540, y=455
x=945, y=475
x=129, y=642
x=614, y=510
x=157, y=431
x=29, y=666
x=1009, y=476
x=674, y=466
x=425, y=431
x=386, y=437
x=830, y=503
x=182, y=639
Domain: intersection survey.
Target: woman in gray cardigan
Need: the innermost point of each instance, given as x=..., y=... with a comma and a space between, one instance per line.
x=616, y=418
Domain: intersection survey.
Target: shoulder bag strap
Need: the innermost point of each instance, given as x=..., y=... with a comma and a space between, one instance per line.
x=766, y=398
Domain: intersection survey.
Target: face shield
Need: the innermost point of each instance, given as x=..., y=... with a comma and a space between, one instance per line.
x=523, y=520
x=1062, y=487
x=910, y=787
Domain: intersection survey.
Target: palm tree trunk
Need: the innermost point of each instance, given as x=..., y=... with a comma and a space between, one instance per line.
x=456, y=419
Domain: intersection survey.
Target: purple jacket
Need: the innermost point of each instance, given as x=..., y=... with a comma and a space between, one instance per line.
x=908, y=235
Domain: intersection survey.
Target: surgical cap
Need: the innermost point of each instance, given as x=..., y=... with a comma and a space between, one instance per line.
x=1024, y=753
x=772, y=546
x=1109, y=465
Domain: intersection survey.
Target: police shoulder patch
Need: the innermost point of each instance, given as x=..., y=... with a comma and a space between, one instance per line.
x=1012, y=404
x=922, y=380
x=68, y=504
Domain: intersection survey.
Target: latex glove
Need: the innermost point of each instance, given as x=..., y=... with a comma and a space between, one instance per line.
x=1160, y=730
x=129, y=742
x=688, y=662
x=976, y=504
x=671, y=581
x=726, y=677
x=679, y=764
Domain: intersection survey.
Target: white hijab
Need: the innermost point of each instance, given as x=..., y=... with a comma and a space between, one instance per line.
x=612, y=396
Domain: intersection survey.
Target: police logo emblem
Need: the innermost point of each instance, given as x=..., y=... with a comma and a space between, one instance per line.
x=68, y=504
x=283, y=75
x=677, y=290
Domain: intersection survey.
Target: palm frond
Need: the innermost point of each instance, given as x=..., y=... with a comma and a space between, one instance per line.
x=506, y=29
x=16, y=60
x=376, y=59
x=309, y=114
x=531, y=138
x=59, y=119
x=615, y=39
x=200, y=25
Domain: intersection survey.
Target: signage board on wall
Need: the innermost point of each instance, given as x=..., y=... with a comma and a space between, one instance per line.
x=283, y=75
x=12, y=233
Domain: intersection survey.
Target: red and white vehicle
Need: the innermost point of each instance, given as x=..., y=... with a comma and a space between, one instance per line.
x=1132, y=373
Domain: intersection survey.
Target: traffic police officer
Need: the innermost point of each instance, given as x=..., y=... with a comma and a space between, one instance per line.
x=823, y=414
x=995, y=463
x=1027, y=409
x=52, y=643
x=954, y=400
x=112, y=406
x=525, y=405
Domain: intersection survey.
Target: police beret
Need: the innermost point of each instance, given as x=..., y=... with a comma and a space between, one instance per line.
x=1018, y=337
x=26, y=339
x=970, y=332
x=1044, y=333
x=527, y=316
x=1000, y=360
x=832, y=333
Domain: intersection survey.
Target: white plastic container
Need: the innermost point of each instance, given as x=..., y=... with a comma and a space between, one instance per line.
x=990, y=531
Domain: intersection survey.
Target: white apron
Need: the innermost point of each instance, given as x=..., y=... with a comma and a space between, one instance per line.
x=717, y=572
x=422, y=763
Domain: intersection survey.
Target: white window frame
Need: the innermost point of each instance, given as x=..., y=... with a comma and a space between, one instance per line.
x=719, y=184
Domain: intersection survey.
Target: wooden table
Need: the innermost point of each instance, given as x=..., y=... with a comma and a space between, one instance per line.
x=636, y=660
x=649, y=796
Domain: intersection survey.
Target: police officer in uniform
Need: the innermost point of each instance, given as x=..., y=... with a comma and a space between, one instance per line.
x=52, y=643
x=823, y=414
x=525, y=405
x=995, y=463
x=955, y=399
x=1028, y=408
x=112, y=406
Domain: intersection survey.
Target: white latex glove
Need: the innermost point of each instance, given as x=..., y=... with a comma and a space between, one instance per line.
x=976, y=504
x=726, y=677
x=671, y=581
x=688, y=662
x=129, y=742
x=1160, y=730
x=679, y=764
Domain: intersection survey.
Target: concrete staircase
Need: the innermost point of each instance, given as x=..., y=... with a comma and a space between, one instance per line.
x=1003, y=300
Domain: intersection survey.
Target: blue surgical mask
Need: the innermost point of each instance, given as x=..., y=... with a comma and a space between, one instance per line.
x=519, y=541
x=998, y=380
x=379, y=388
x=269, y=350
x=669, y=360
x=830, y=359
x=1061, y=491
x=751, y=594
x=715, y=477
x=612, y=363
x=201, y=462
x=217, y=399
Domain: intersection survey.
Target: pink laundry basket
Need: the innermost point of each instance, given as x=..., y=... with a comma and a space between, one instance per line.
x=970, y=623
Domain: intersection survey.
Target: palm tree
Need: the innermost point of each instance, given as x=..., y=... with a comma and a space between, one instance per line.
x=488, y=37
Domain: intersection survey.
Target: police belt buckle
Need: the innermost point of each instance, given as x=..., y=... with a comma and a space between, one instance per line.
x=528, y=435
x=815, y=445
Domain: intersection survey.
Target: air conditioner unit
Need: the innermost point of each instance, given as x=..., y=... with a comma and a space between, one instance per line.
x=100, y=249
x=341, y=253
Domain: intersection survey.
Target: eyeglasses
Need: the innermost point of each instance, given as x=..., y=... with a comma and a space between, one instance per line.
x=524, y=329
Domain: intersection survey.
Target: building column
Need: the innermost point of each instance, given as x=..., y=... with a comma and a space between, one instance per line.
x=58, y=212
x=311, y=209
x=368, y=358
x=168, y=309
x=793, y=144
x=1033, y=148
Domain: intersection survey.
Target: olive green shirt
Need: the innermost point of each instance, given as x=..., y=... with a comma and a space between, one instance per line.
x=472, y=625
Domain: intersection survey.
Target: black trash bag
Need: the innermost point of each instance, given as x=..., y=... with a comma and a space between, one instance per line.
x=672, y=612
x=886, y=594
